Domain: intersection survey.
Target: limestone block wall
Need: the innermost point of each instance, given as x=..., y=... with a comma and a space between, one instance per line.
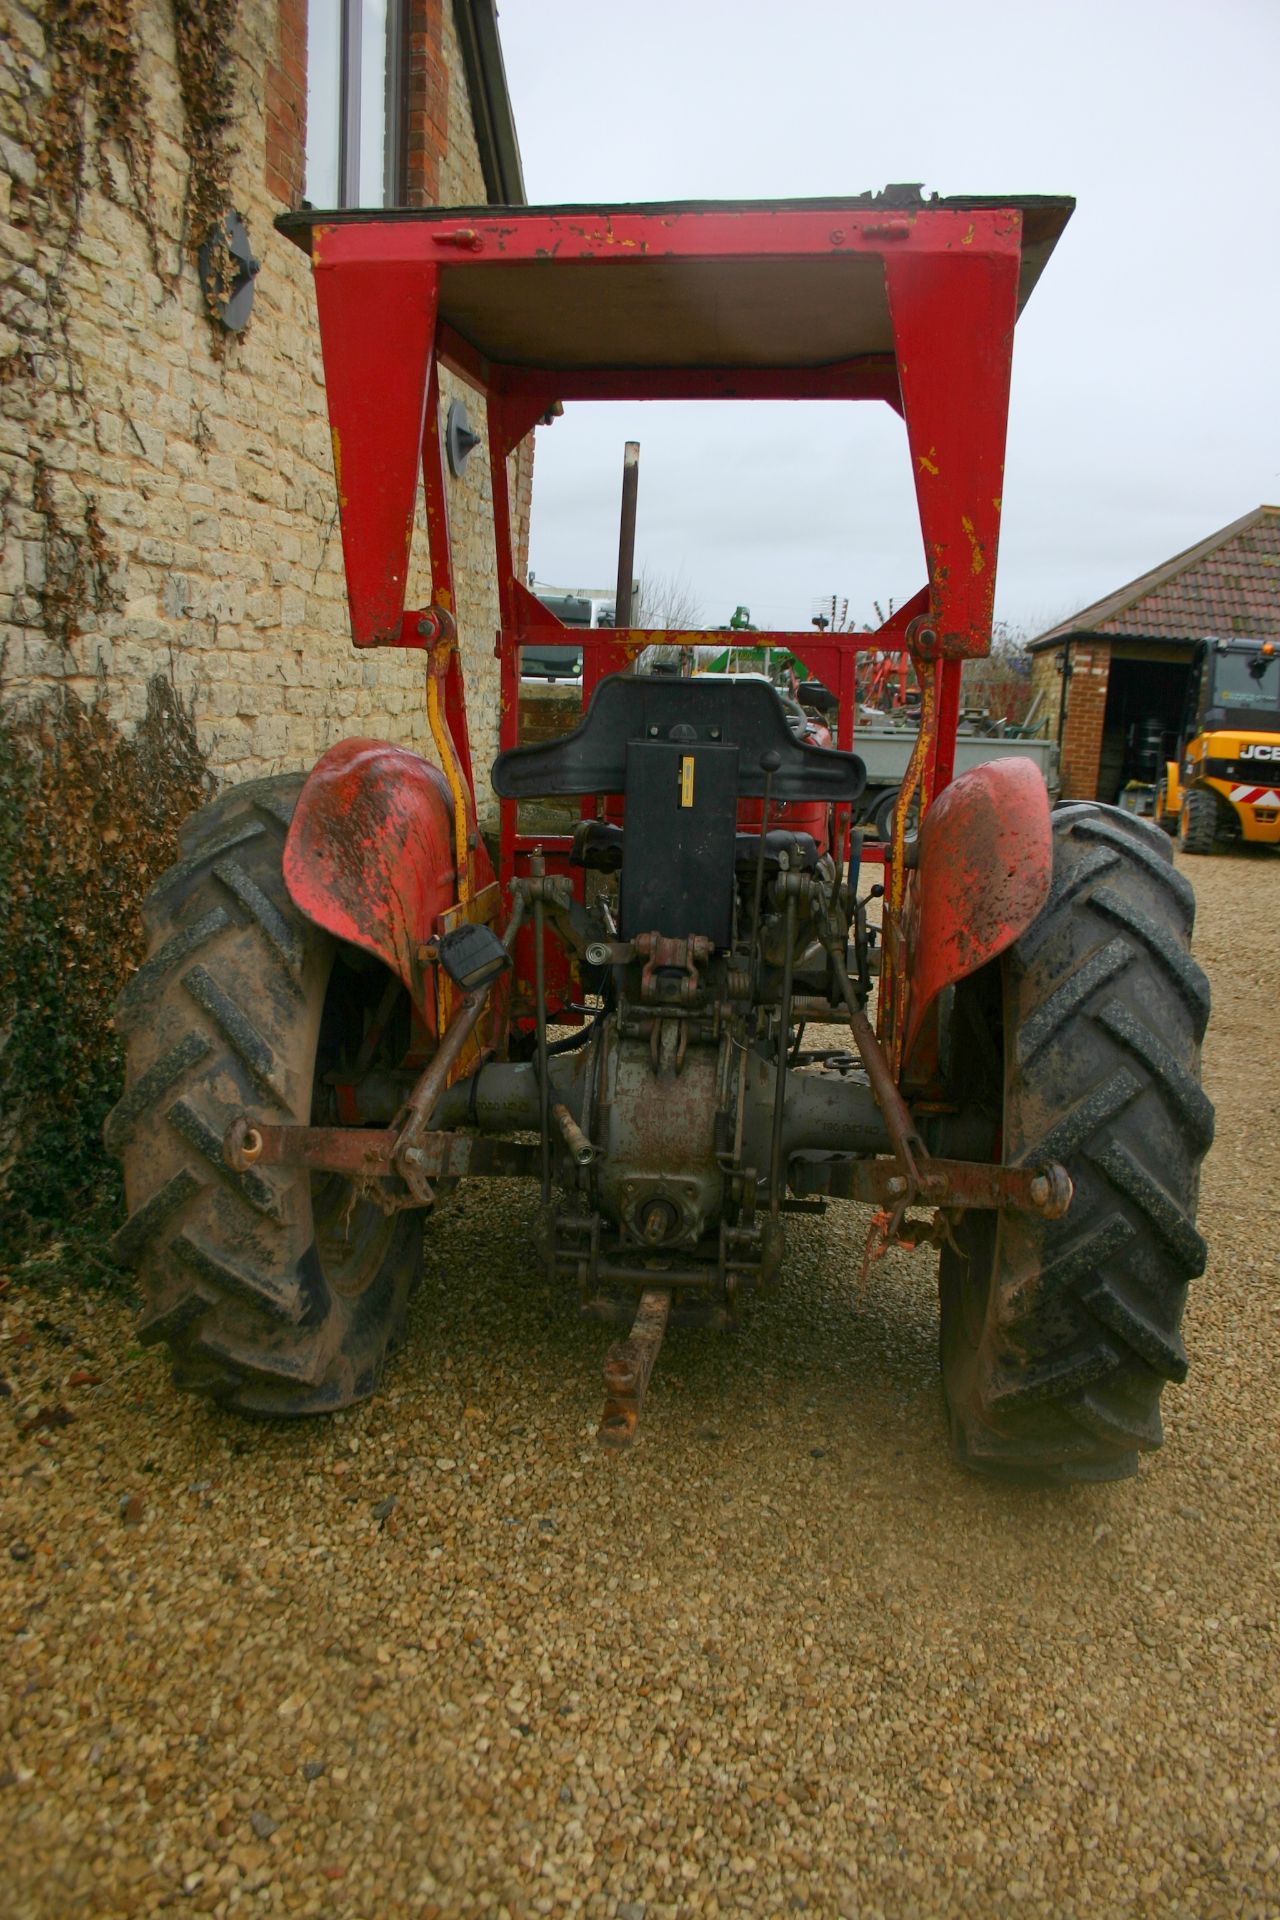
x=1046, y=683
x=168, y=498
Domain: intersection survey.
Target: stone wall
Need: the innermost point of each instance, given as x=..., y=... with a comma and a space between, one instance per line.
x=1046, y=682
x=168, y=498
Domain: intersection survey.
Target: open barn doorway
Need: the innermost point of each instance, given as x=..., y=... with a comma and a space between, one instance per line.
x=1145, y=703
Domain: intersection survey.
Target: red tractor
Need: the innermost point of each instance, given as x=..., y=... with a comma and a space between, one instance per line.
x=350, y=993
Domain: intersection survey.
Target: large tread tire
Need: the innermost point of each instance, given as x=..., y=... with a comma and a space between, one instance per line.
x=1198, y=821
x=1058, y=1336
x=276, y=1293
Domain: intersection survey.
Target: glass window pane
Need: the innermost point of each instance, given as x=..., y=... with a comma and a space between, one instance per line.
x=324, y=42
x=373, y=102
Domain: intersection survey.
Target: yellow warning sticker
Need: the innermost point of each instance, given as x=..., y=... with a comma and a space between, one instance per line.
x=686, y=780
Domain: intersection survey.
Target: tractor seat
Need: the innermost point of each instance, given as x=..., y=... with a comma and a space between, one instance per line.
x=682, y=753
x=628, y=711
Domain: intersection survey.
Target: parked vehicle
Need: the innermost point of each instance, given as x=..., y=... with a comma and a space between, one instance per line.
x=346, y=1005
x=1225, y=784
x=559, y=662
x=886, y=750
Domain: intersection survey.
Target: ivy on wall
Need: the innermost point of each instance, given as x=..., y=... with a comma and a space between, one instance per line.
x=88, y=819
x=88, y=816
x=93, y=54
x=77, y=566
x=206, y=81
x=97, y=112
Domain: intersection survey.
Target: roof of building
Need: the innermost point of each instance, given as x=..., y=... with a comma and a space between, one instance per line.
x=1228, y=584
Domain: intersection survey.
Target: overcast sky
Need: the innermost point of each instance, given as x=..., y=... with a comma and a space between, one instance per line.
x=1146, y=376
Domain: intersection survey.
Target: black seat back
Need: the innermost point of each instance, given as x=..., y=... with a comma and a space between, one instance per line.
x=683, y=753
x=746, y=714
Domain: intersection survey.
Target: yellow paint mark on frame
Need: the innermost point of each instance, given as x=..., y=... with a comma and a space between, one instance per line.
x=977, y=558
x=927, y=462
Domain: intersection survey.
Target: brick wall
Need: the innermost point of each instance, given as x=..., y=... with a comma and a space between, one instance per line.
x=427, y=134
x=1086, y=708
x=194, y=491
x=286, y=105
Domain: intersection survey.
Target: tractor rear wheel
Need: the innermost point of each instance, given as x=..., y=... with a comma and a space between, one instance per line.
x=1058, y=1336
x=1198, y=821
x=278, y=1292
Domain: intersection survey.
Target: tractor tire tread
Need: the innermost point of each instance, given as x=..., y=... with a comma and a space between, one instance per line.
x=223, y=1017
x=254, y=901
x=1164, y=947
x=136, y=998
x=1062, y=1381
x=238, y=1030
x=118, y=1127
x=1064, y=889
x=1180, y=1086
x=1153, y=853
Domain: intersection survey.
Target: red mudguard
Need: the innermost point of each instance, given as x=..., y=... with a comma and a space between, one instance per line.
x=370, y=858
x=985, y=863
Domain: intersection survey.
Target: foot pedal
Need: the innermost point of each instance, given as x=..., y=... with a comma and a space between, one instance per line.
x=628, y=1366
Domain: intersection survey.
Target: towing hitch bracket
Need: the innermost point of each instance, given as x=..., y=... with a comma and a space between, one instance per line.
x=628, y=1367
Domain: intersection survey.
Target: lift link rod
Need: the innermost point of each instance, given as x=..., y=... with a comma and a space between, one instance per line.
x=415, y=1120
x=537, y=871
x=784, y=1041
x=432, y=1082
x=627, y=1369
x=944, y=1184
x=909, y=1149
x=580, y=1148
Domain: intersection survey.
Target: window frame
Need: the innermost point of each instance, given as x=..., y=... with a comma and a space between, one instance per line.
x=396, y=106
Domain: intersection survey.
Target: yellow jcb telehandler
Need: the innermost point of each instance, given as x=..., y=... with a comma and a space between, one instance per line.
x=1225, y=784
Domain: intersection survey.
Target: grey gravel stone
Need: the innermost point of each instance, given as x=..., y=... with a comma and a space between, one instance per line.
x=752, y=1686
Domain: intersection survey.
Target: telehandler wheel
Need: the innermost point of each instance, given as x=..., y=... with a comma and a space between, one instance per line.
x=1165, y=819
x=1058, y=1336
x=278, y=1292
x=1198, y=821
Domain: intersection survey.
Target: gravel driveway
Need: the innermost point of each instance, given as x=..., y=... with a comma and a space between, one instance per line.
x=441, y=1656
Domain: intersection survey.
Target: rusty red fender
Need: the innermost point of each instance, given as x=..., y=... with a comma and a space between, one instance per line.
x=983, y=874
x=370, y=856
